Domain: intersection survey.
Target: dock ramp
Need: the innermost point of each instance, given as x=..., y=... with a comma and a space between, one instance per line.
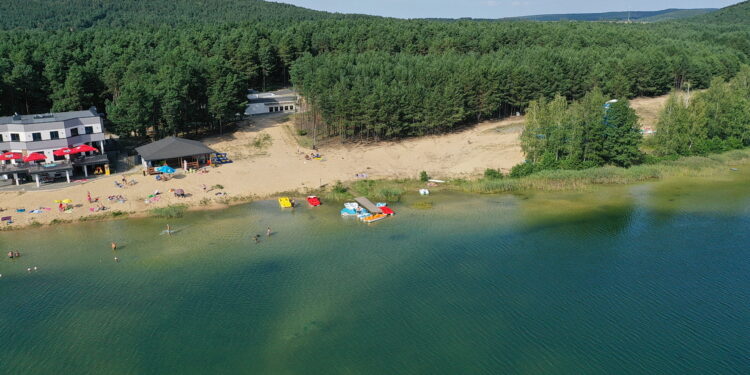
x=364, y=202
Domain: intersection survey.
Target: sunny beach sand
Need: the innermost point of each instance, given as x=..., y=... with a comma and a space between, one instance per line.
x=281, y=166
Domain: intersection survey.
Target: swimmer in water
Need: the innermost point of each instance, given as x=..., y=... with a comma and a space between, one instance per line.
x=114, y=246
x=35, y=268
x=169, y=230
x=257, y=238
x=268, y=232
x=117, y=259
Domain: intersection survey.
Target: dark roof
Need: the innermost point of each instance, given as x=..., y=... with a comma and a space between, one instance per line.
x=275, y=99
x=48, y=117
x=172, y=147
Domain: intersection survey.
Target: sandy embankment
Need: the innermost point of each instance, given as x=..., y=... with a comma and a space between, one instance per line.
x=280, y=167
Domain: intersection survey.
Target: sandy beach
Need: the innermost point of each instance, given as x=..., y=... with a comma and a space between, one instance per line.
x=268, y=160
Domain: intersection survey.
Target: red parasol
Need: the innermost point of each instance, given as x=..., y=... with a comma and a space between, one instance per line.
x=84, y=148
x=11, y=156
x=63, y=151
x=34, y=156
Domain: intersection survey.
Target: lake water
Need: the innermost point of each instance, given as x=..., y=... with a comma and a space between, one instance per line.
x=647, y=279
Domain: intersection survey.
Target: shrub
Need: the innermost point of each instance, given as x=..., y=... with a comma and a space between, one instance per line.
x=423, y=176
x=302, y=132
x=169, y=212
x=522, y=170
x=493, y=174
x=217, y=187
x=262, y=141
x=390, y=194
x=339, y=188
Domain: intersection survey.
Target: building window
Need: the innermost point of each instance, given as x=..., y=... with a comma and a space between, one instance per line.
x=73, y=132
x=14, y=137
x=1, y=137
x=36, y=137
x=54, y=135
x=286, y=107
x=89, y=129
x=270, y=109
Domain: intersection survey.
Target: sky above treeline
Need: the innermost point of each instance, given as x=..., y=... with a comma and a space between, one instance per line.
x=495, y=8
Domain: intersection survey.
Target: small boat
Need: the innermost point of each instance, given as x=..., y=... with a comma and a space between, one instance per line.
x=285, y=202
x=424, y=192
x=351, y=206
x=314, y=201
x=348, y=212
x=437, y=181
x=374, y=218
x=362, y=213
x=387, y=211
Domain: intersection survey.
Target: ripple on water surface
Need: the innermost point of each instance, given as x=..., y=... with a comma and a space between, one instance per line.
x=608, y=281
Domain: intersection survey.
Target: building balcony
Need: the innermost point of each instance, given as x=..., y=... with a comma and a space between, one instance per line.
x=52, y=144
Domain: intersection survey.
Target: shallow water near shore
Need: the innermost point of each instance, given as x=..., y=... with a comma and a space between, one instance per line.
x=644, y=279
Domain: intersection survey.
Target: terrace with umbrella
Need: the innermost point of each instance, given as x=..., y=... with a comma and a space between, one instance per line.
x=43, y=168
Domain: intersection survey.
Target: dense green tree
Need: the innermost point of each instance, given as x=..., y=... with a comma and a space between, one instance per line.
x=622, y=136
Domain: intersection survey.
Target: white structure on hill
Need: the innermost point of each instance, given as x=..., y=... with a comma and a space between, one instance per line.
x=271, y=102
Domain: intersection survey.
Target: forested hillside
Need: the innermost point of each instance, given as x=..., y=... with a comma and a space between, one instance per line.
x=735, y=14
x=78, y=14
x=362, y=77
x=636, y=16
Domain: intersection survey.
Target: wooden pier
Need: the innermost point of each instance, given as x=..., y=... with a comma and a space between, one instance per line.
x=368, y=205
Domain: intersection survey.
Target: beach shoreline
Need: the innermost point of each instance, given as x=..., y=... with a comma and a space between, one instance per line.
x=714, y=167
x=268, y=162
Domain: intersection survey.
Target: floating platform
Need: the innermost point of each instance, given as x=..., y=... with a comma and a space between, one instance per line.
x=285, y=202
x=313, y=201
x=374, y=218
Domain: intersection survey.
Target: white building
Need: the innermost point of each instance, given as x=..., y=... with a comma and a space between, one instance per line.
x=45, y=133
x=271, y=102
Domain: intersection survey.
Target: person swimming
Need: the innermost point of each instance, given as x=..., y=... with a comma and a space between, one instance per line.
x=10, y=254
x=169, y=230
x=268, y=232
x=117, y=259
x=114, y=246
x=257, y=238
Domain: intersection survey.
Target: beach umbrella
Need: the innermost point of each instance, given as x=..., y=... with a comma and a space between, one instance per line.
x=165, y=169
x=67, y=201
x=11, y=156
x=84, y=148
x=34, y=156
x=63, y=151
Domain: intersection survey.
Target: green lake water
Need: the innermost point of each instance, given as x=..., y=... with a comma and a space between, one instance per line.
x=646, y=279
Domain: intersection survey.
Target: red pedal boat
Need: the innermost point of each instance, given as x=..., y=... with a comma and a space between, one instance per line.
x=314, y=201
x=387, y=211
